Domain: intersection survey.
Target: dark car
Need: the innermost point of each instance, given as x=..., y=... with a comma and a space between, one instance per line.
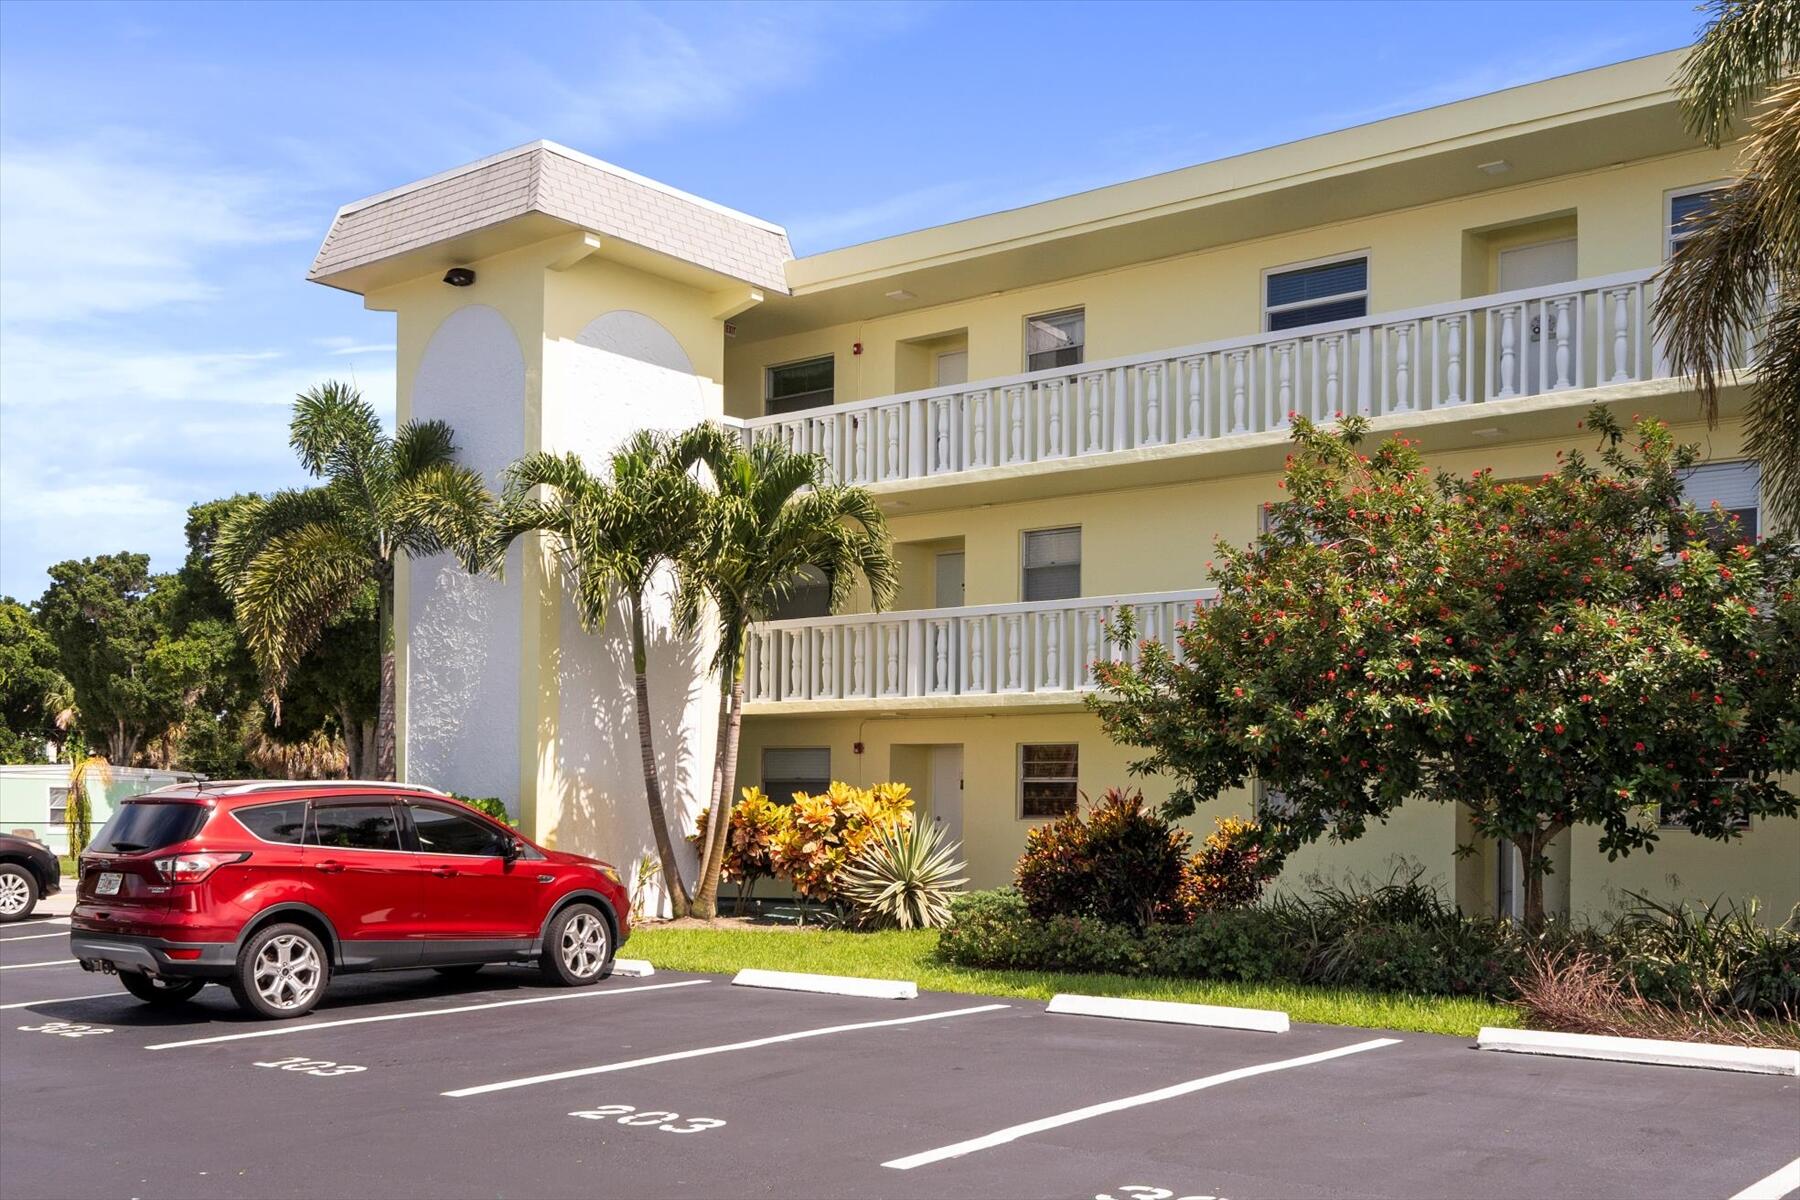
x=270, y=888
x=28, y=872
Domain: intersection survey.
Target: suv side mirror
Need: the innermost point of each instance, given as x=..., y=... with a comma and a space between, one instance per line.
x=510, y=849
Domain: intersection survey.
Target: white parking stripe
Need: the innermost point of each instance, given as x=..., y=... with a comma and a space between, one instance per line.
x=430, y=1012
x=31, y=937
x=629, y=1064
x=1014, y=1132
x=64, y=1000
x=1774, y=1187
x=55, y=962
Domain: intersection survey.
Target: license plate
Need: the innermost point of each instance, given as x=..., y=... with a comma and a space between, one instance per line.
x=108, y=884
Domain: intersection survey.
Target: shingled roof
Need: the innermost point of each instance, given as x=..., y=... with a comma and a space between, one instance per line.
x=572, y=187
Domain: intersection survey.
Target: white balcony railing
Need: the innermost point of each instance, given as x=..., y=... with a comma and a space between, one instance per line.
x=982, y=650
x=1555, y=338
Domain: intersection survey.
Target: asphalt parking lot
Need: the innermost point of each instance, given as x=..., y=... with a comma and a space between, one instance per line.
x=682, y=1085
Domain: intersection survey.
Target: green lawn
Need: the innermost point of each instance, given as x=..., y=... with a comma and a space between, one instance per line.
x=910, y=955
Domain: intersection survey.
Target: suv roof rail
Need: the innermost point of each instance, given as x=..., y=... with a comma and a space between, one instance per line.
x=239, y=787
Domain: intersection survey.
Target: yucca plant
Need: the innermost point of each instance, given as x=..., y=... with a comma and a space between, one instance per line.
x=903, y=878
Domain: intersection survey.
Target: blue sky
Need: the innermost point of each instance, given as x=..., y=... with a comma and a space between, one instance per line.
x=167, y=171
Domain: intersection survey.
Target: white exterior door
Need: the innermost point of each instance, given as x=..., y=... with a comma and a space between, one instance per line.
x=949, y=582
x=1537, y=265
x=952, y=368
x=947, y=790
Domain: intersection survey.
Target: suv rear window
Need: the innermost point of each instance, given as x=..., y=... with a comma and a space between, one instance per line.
x=149, y=826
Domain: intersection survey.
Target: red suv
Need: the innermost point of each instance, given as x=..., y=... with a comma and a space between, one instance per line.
x=269, y=888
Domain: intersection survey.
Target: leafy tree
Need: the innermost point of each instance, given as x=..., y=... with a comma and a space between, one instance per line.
x=293, y=561
x=613, y=536
x=772, y=515
x=1573, y=651
x=1741, y=266
x=28, y=680
x=99, y=614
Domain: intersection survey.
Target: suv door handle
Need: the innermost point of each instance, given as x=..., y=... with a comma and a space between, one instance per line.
x=329, y=866
x=443, y=872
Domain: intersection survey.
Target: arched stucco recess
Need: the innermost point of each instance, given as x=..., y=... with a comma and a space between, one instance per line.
x=463, y=636
x=624, y=372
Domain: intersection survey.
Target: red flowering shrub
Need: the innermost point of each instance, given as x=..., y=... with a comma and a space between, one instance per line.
x=1580, y=649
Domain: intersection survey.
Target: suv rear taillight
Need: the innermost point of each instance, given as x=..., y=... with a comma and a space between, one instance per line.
x=192, y=868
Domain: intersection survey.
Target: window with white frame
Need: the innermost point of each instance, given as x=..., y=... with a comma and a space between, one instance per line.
x=788, y=771
x=1057, y=339
x=1735, y=487
x=1051, y=564
x=59, y=806
x=1314, y=293
x=792, y=387
x=1688, y=210
x=1048, y=780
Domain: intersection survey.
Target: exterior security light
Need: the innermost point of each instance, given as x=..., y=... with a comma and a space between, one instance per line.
x=459, y=277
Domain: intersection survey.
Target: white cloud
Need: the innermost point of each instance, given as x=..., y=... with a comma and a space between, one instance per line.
x=115, y=224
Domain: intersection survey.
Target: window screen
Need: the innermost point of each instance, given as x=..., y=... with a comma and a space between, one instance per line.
x=1736, y=488
x=1334, y=291
x=800, y=385
x=1052, y=559
x=792, y=769
x=59, y=806
x=284, y=822
x=355, y=827
x=1055, y=339
x=1687, y=212
x=1048, y=780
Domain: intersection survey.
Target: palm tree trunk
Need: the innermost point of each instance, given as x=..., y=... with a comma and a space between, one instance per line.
x=659, y=820
x=384, y=713
x=706, y=897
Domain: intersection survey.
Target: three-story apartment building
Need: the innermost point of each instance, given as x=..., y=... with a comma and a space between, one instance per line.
x=1060, y=408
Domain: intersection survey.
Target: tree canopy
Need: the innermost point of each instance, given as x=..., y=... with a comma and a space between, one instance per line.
x=1578, y=649
x=28, y=680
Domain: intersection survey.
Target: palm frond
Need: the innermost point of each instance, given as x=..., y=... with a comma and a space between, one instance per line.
x=258, y=520
x=332, y=423
x=420, y=445
x=289, y=591
x=1715, y=289
x=446, y=507
x=1747, y=45
x=1772, y=421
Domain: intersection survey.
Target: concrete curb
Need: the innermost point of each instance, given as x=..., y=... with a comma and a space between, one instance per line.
x=836, y=985
x=633, y=968
x=1172, y=1012
x=1649, y=1051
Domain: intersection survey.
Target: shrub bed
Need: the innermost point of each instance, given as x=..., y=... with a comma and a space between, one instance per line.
x=1401, y=937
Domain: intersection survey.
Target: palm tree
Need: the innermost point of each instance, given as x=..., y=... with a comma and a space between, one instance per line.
x=612, y=536
x=293, y=560
x=1739, y=271
x=770, y=517
x=84, y=770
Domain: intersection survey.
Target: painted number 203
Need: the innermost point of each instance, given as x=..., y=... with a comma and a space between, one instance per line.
x=1138, y=1191
x=668, y=1122
x=69, y=1029
x=312, y=1066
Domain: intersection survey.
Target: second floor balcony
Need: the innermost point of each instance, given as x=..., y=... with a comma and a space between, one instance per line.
x=989, y=654
x=1560, y=338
